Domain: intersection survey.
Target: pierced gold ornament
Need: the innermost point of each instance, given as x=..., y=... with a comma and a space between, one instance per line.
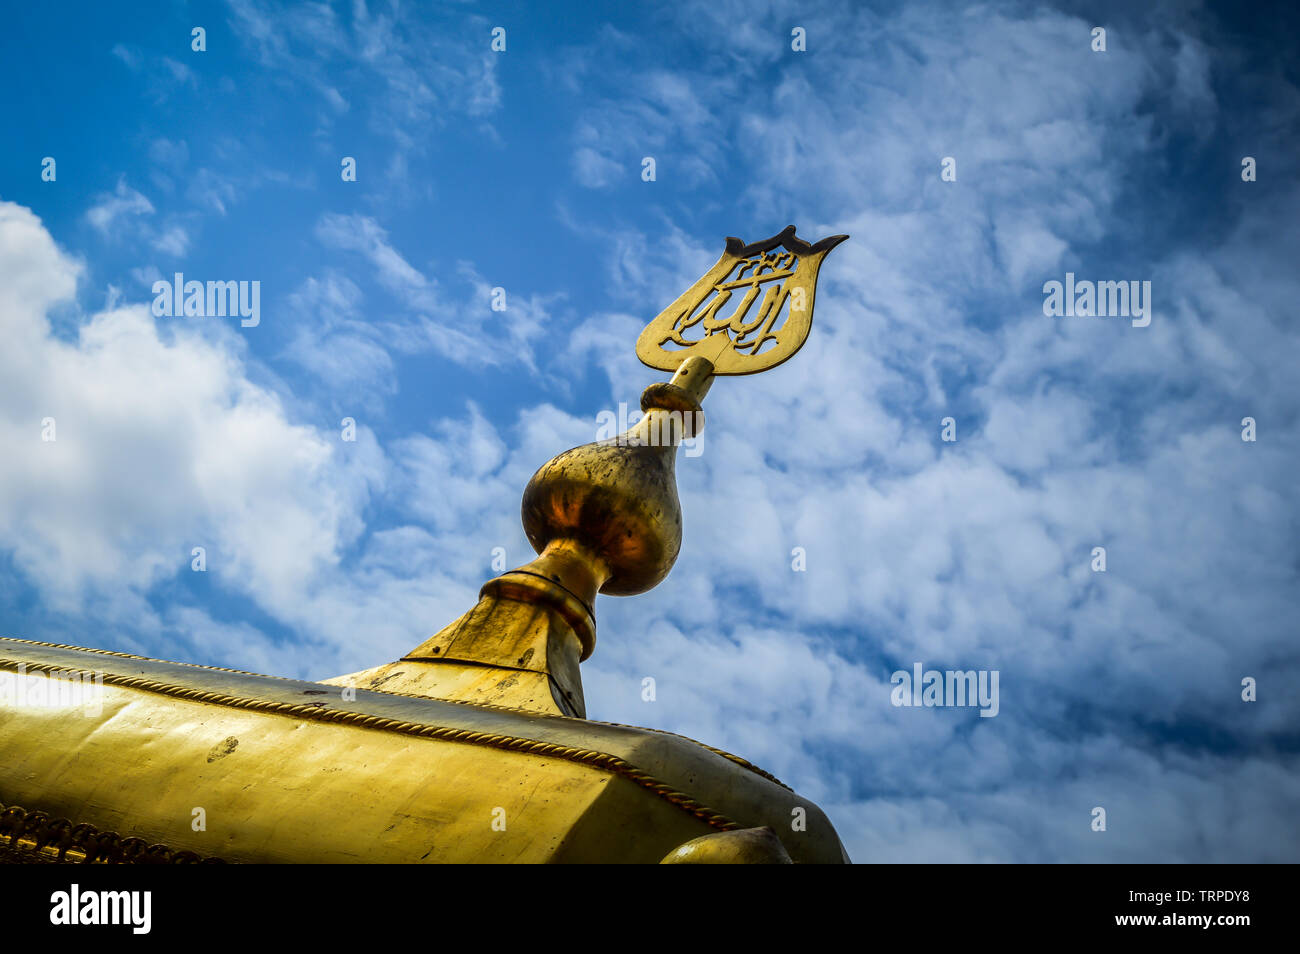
x=781, y=269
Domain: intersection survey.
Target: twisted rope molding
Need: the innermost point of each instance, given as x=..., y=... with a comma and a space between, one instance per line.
x=743, y=763
x=317, y=712
x=41, y=833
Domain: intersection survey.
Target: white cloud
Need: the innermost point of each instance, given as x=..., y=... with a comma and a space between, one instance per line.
x=361, y=233
x=427, y=72
x=179, y=71
x=161, y=444
x=127, y=55
x=174, y=241
x=468, y=331
x=594, y=170
x=333, y=341
x=111, y=209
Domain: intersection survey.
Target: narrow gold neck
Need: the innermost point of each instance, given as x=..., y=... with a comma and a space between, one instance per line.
x=566, y=577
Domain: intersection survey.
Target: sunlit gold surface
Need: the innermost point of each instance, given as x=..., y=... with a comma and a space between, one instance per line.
x=293, y=771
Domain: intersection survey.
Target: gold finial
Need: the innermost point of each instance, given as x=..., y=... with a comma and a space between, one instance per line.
x=607, y=512
x=604, y=517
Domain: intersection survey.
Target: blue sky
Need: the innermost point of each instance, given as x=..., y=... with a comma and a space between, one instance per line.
x=522, y=170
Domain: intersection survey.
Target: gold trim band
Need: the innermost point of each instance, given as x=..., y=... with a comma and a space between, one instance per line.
x=54, y=838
